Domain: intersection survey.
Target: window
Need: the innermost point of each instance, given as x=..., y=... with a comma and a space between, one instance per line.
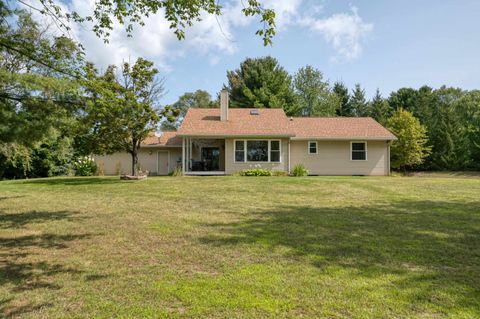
x=257, y=151
x=239, y=151
x=358, y=151
x=274, y=151
x=312, y=148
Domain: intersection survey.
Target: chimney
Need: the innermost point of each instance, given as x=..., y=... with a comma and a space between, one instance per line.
x=224, y=105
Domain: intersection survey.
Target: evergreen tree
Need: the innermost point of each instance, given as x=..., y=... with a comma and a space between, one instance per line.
x=448, y=132
x=411, y=147
x=262, y=83
x=358, y=103
x=341, y=91
x=378, y=108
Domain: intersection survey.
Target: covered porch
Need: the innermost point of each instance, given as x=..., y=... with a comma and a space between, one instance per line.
x=203, y=156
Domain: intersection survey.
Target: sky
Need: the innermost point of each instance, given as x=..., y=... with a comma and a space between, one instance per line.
x=379, y=44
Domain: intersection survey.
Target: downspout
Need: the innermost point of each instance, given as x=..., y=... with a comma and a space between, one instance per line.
x=183, y=156
x=289, y=156
x=388, y=152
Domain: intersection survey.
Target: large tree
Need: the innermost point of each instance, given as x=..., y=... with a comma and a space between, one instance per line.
x=411, y=147
x=262, y=82
x=39, y=92
x=313, y=92
x=122, y=109
x=341, y=90
x=358, y=102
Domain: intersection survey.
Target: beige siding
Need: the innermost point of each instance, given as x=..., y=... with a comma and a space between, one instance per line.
x=121, y=163
x=232, y=167
x=333, y=158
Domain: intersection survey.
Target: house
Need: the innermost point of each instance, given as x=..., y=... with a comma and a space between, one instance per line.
x=224, y=141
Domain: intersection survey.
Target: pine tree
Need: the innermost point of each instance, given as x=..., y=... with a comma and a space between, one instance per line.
x=358, y=103
x=378, y=108
x=340, y=89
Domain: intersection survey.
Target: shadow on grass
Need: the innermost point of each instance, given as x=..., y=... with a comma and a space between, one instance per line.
x=434, y=247
x=73, y=181
x=21, y=269
x=16, y=220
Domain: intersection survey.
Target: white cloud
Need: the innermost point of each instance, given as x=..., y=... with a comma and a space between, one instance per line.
x=345, y=31
x=213, y=37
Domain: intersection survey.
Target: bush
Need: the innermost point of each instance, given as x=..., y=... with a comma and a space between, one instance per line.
x=279, y=173
x=85, y=166
x=299, y=170
x=176, y=172
x=256, y=172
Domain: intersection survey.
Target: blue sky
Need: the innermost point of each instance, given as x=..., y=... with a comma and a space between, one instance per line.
x=384, y=44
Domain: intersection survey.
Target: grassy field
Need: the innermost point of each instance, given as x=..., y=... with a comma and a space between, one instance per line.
x=241, y=247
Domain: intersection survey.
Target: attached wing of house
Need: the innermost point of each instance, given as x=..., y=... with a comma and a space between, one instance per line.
x=226, y=141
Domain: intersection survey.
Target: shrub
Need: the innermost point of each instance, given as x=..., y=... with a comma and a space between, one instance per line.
x=299, y=170
x=279, y=173
x=85, y=166
x=176, y=172
x=256, y=172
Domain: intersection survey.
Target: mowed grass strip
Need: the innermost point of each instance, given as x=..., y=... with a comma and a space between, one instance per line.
x=241, y=247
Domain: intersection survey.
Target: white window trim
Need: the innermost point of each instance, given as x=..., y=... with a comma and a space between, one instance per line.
x=245, y=150
x=366, y=151
x=316, y=147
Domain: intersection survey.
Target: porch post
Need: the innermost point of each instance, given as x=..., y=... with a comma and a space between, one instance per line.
x=183, y=155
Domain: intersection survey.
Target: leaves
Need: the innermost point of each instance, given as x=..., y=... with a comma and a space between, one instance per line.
x=411, y=147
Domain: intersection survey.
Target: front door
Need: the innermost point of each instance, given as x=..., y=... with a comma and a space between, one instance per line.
x=211, y=158
x=163, y=163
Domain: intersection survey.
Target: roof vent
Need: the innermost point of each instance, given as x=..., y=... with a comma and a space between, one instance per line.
x=254, y=112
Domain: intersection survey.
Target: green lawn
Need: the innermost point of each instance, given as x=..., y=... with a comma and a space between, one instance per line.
x=241, y=247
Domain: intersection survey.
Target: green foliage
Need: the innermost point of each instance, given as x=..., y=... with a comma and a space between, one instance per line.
x=121, y=109
x=50, y=157
x=256, y=172
x=85, y=166
x=378, y=108
x=341, y=91
x=180, y=14
x=260, y=83
x=38, y=92
x=177, y=171
x=411, y=147
x=299, y=170
x=197, y=99
x=358, y=102
x=314, y=95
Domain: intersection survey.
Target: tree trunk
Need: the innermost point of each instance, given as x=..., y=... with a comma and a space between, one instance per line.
x=134, y=161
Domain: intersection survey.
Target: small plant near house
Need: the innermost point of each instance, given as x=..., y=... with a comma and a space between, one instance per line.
x=176, y=172
x=85, y=166
x=256, y=172
x=299, y=170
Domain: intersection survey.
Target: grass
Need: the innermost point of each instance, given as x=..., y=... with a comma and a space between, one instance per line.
x=241, y=247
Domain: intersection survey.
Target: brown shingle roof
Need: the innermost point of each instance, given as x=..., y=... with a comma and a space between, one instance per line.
x=166, y=139
x=339, y=128
x=206, y=122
